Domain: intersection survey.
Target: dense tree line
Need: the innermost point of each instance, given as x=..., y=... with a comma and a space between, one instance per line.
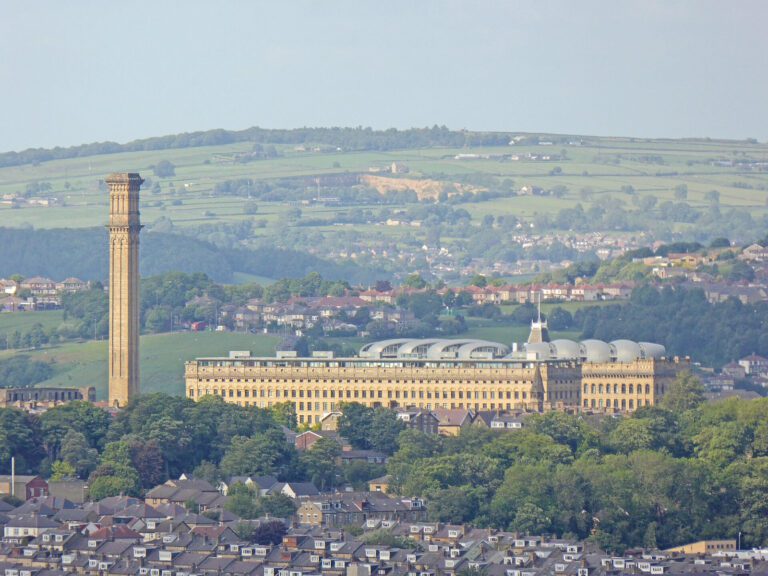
x=20, y=372
x=684, y=321
x=33, y=337
x=663, y=220
x=346, y=138
x=29, y=253
x=663, y=476
x=158, y=437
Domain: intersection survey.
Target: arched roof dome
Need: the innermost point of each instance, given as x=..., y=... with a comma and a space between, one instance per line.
x=376, y=349
x=432, y=348
x=566, y=349
x=466, y=351
x=627, y=350
x=595, y=351
x=652, y=350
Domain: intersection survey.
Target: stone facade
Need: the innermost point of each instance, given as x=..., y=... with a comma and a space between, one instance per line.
x=626, y=386
x=124, y=228
x=319, y=386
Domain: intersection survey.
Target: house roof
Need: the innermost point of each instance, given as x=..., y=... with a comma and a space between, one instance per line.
x=386, y=479
x=32, y=521
x=140, y=511
x=754, y=358
x=38, y=508
x=298, y=488
x=116, y=532
x=452, y=416
x=19, y=478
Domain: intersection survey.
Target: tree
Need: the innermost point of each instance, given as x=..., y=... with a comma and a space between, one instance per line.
x=479, y=280
x=21, y=371
x=242, y=502
x=158, y=319
x=681, y=191
x=76, y=452
x=269, y=532
x=62, y=470
x=632, y=434
x=320, y=462
x=278, y=505
x=559, y=319
x=284, y=413
x=115, y=474
x=207, y=471
x=456, y=504
x=354, y=422
x=20, y=438
x=250, y=208
x=415, y=281
x=264, y=454
x=720, y=243
x=384, y=429
x=164, y=169
x=148, y=460
x=171, y=437
x=685, y=393
x=358, y=473
x=530, y=519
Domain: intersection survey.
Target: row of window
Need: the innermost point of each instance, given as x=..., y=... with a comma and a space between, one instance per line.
x=352, y=394
x=44, y=396
x=600, y=389
x=370, y=381
x=282, y=364
x=624, y=404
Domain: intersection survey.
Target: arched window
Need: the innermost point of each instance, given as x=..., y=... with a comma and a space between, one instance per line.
x=647, y=389
x=631, y=404
x=631, y=388
x=623, y=388
x=601, y=388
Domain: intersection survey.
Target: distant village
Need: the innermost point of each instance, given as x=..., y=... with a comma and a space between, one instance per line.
x=37, y=293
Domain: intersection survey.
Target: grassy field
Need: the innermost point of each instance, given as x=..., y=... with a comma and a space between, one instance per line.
x=162, y=358
x=23, y=321
x=601, y=165
x=547, y=307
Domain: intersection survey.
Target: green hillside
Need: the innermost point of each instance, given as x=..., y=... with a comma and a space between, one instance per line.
x=600, y=165
x=162, y=358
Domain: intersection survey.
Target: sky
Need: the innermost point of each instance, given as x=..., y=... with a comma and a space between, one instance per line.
x=85, y=71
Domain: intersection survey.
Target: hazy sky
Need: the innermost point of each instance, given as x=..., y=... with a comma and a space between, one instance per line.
x=77, y=71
